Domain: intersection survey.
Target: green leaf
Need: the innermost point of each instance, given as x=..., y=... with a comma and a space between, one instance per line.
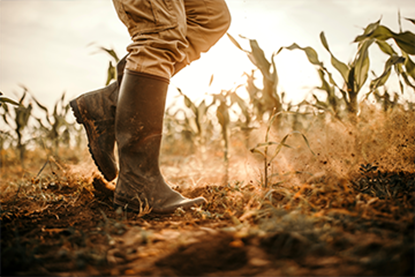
x=4, y=99
x=361, y=65
x=311, y=54
x=381, y=33
x=257, y=57
x=381, y=80
x=385, y=47
x=409, y=66
x=44, y=108
x=341, y=67
x=406, y=41
x=407, y=81
x=324, y=85
x=111, y=74
x=111, y=52
x=410, y=20
x=188, y=102
x=372, y=26
x=255, y=150
x=307, y=143
x=266, y=144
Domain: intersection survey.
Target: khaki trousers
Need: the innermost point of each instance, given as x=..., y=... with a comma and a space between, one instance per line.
x=167, y=35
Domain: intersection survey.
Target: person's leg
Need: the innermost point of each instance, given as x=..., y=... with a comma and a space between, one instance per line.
x=95, y=110
x=207, y=21
x=159, y=40
x=139, y=127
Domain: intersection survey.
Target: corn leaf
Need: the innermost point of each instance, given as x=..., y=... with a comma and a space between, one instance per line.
x=340, y=66
x=255, y=150
x=385, y=47
x=223, y=115
x=235, y=42
x=405, y=40
x=188, y=102
x=111, y=74
x=410, y=20
x=111, y=52
x=409, y=65
x=381, y=80
x=312, y=55
x=258, y=58
x=4, y=99
x=274, y=76
x=407, y=81
x=361, y=65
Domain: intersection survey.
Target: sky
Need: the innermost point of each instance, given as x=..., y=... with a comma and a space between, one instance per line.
x=51, y=46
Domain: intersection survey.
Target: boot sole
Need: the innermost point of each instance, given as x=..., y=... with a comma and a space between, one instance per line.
x=89, y=130
x=118, y=202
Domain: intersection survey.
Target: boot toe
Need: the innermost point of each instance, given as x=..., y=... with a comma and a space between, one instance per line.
x=184, y=203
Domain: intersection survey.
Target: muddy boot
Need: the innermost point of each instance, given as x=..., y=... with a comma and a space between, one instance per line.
x=95, y=110
x=138, y=128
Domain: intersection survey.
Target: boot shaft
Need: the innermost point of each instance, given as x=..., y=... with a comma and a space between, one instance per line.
x=141, y=105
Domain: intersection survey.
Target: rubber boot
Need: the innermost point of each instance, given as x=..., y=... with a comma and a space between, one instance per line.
x=95, y=110
x=138, y=129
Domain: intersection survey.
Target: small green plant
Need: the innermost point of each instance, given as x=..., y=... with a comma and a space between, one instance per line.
x=277, y=146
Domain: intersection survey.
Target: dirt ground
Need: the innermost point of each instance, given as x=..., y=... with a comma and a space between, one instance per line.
x=65, y=225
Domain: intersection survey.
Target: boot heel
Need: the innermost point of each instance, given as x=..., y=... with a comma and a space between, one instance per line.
x=76, y=112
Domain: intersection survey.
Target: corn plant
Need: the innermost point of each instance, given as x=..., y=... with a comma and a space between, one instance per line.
x=267, y=159
x=18, y=122
x=386, y=100
x=195, y=123
x=191, y=123
x=222, y=114
x=403, y=64
x=355, y=73
x=56, y=129
x=5, y=136
x=267, y=98
x=226, y=102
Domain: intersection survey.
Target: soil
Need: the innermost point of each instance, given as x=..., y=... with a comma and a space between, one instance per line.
x=60, y=221
x=93, y=238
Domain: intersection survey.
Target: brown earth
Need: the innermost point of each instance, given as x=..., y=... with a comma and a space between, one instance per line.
x=76, y=231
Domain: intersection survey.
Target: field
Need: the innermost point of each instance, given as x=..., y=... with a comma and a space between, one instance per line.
x=325, y=187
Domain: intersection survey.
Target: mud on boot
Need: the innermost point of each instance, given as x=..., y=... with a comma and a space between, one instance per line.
x=138, y=127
